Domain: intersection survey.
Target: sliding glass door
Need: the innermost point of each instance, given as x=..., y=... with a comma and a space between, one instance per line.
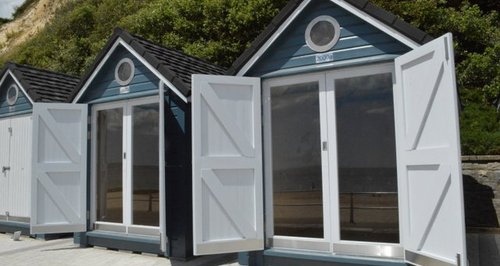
x=330, y=161
x=126, y=166
x=295, y=158
x=366, y=158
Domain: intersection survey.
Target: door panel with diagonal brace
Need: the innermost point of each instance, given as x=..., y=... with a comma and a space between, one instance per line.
x=59, y=168
x=227, y=165
x=428, y=150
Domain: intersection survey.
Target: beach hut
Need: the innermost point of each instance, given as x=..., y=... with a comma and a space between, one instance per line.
x=123, y=151
x=21, y=86
x=333, y=141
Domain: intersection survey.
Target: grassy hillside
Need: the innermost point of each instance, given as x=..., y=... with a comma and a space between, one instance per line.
x=219, y=30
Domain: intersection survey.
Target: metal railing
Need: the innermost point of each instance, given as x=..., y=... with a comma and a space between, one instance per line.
x=352, y=206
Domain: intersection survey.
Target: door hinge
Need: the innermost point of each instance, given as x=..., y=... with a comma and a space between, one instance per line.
x=324, y=146
x=88, y=215
x=10, y=131
x=124, y=155
x=459, y=259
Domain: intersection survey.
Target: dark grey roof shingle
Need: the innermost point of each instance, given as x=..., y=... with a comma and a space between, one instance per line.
x=380, y=14
x=175, y=66
x=43, y=85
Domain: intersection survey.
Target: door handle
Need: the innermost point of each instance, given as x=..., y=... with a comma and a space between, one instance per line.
x=5, y=169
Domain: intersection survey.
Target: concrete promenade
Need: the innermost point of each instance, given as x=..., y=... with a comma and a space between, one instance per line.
x=35, y=252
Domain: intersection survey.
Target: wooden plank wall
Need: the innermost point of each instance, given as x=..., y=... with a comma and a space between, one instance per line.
x=22, y=105
x=104, y=88
x=358, y=39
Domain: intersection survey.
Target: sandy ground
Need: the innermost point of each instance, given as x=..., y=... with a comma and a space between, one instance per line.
x=32, y=21
x=37, y=252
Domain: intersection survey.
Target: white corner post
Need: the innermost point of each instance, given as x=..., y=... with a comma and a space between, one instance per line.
x=161, y=158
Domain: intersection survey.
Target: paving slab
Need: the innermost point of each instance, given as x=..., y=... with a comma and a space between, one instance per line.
x=29, y=251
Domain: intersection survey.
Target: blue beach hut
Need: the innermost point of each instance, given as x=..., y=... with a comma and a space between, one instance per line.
x=332, y=140
x=130, y=124
x=22, y=86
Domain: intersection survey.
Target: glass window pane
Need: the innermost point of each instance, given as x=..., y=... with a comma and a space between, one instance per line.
x=296, y=160
x=367, y=159
x=145, y=171
x=109, y=165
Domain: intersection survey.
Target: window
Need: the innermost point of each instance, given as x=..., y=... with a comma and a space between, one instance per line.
x=322, y=33
x=330, y=161
x=124, y=71
x=12, y=94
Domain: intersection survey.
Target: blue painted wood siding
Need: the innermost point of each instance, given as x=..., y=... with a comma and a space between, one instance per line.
x=22, y=105
x=358, y=40
x=104, y=88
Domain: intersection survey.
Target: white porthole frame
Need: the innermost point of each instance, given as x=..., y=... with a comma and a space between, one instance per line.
x=132, y=71
x=12, y=101
x=328, y=46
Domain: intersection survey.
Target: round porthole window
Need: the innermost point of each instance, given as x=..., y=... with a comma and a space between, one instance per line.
x=12, y=94
x=124, y=71
x=322, y=33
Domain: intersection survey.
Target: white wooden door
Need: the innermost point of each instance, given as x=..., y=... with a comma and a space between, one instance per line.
x=20, y=167
x=428, y=152
x=227, y=164
x=59, y=168
x=4, y=164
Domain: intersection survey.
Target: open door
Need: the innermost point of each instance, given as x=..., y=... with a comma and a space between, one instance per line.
x=59, y=182
x=428, y=152
x=227, y=164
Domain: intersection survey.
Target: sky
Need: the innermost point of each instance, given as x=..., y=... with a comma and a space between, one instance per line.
x=7, y=7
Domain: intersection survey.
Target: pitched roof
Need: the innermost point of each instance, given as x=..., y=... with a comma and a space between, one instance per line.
x=175, y=66
x=42, y=85
x=376, y=12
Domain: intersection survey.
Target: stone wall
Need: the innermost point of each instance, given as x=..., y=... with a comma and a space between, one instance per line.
x=481, y=176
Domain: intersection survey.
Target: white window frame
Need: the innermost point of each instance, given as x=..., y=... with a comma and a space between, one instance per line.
x=127, y=226
x=375, y=249
x=336, y=35
x=331, y=243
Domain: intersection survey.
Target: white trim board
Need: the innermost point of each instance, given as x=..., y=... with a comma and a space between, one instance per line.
x=348, y=7
x=17, y=83
x=120, y=41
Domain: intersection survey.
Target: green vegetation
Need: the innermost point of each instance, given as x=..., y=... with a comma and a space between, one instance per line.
x=216, y=30
x=477, y=53
x=220, y=30
x=3, y=21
